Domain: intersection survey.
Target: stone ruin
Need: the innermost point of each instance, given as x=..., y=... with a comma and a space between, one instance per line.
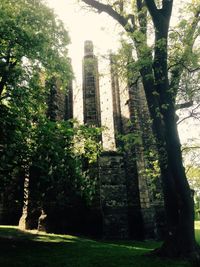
x=124, y=206
x=128, y=209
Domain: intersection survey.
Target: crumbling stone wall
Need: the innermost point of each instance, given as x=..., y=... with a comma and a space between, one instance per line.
x=123, y=207
x=68, y=111
x=144, y=210
x=113, y=196
x=56, y=101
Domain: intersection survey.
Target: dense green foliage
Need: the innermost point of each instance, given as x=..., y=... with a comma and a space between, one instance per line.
x=33, y=50
x=32, y=39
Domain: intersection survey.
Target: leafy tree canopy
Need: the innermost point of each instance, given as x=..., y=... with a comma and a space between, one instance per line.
x=31, y=37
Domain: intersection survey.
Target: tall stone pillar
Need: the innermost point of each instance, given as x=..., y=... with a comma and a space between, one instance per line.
x=116, y=101
x=135, y=220
x=113, y=196
x=135, y=125
x=91, y=96
x=92, y=118
x=152, y=207
x=135, y=109
x=69, y=102
x=111, y=189
x=56, y=100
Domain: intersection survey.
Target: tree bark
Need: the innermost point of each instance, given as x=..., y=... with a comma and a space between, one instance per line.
x=180, y=239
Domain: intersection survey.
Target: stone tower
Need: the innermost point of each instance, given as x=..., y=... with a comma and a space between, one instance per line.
x=111, y=190
x=116, y=101
x=145, y=213
x=69, y=102
x=122, y=128
x=91, y=97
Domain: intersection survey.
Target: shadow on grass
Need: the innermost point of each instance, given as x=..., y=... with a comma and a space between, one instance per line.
x=25, y=249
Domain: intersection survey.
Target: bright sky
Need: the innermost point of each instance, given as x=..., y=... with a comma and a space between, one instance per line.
x=103, y=31
x=84, y=25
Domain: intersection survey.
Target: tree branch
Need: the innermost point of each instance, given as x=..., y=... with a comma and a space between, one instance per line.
x=167, y=7
x=162, y=14
x=153, y=10
x=190, y=147
x=184, y=105
x=142, y=16
x=110, y=11
x=193, y=114
x=179, y=67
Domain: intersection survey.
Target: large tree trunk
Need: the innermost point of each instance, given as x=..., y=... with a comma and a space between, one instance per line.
x=180, y=239
x=179, y=206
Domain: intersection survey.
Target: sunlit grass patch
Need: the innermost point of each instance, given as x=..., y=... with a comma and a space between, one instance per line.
x=35, y=249
x=46, y=237
x=197, y=231
x=13, y=232
x=197, y=224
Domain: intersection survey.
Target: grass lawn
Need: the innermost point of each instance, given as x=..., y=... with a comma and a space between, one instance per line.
x=197, y=227
x=32, y=249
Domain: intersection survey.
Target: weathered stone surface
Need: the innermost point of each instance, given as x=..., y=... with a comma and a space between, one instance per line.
x=69, y=102
x=113, y=196
x=91, y=95
x=114, y=226
x=123, y=205
x=135, y=120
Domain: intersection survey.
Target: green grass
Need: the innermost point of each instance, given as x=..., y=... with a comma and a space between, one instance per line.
x=197, y=231
x=32, y=249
